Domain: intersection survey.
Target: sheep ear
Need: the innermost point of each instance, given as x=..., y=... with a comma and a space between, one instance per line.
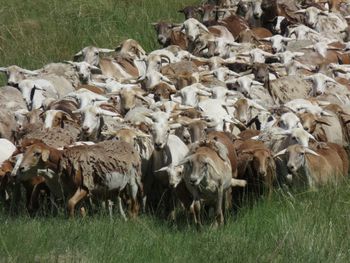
x=163, y=169
x=185, y=160
x=77, y=55
x=41, y=115
x=256, y=105
x=301, y=11
x=67, y=117
x=95, y=70
x=45, y=154
x=107, y=133
x=222, y=150
x=311, y=137
x=142, y=134
x=175, y=125
x=323, y=121
x=257, y=83
x=248, y=151
x=307, y=150
x=280, y=153
x=200, y=25
x=69, y=62
x=105, y=50
x=77, y=111
x=284, y=133
x=2, y=69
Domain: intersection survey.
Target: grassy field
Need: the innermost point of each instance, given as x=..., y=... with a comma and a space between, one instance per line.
x=33, y=33
x=310, y=227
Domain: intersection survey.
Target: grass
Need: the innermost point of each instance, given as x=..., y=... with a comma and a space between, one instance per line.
x=34, y=33
x=311, y=227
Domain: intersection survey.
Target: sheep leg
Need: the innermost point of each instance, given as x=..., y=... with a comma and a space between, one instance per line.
x=33, y=204
x=110, y=208
x=78, y=196
x=269, y=186
x=193, y=212
x=197, y=210
x=172, y=203
x=120, y=206
x=219, y=216
x=134, y=203
x=238, y=182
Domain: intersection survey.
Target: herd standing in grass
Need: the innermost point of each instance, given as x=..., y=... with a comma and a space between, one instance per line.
x=243, y=98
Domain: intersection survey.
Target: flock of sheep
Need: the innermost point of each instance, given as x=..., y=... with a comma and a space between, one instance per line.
x=245, y=97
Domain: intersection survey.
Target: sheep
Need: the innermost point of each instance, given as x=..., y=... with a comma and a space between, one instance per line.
x=11, y=99
x=7, y=125
x=102, y=170
x=54, y=137
x=17, y=74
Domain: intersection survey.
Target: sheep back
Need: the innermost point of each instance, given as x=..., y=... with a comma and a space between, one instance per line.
x=87, y=165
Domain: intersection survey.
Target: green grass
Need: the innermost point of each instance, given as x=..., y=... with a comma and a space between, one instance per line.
x=34, y=33
x=310, y=227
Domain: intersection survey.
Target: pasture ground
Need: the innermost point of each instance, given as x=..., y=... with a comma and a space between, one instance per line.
x=309, y=227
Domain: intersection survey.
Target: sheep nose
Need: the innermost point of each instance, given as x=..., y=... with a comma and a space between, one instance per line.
x=244, y=120
x=187, y=139
x=191, y=38
x=126, y=109
x=161, y=40
x=156, y=97
x=193, y=181
x=262, y=173
x=157, y=145
x=13, y=84
x=291, y=167
x=260, y=79
x=85, y=128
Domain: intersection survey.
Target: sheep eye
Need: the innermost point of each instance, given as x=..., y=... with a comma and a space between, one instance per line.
x=37, y=154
